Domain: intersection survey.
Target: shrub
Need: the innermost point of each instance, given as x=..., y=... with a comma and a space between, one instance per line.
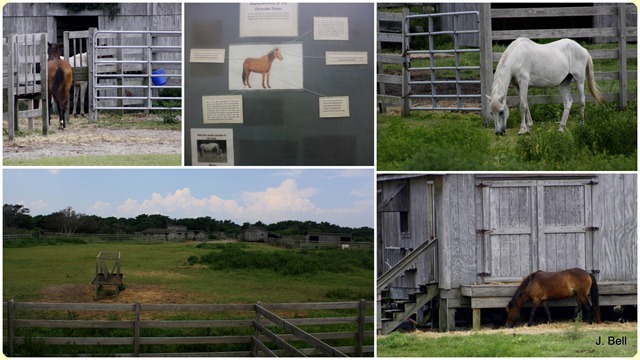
x=608, y=130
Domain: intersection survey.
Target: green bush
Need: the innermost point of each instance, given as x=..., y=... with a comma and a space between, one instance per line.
x=608, y=130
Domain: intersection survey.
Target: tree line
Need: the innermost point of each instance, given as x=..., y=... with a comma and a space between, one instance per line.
x=17, y=219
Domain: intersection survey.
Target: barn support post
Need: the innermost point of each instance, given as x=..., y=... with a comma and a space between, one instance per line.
x=476, y=319
x=406, y=63
x=622, y=54
x=486, y=62
x=361, y=321
x=12, y=102
x=44, y=89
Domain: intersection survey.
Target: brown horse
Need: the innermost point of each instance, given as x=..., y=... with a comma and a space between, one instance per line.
x=260, y=65
x=542, y=286
x=59, y=82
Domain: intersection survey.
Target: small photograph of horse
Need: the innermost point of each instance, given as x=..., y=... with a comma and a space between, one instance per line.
x=265, y=66
x=212, y=151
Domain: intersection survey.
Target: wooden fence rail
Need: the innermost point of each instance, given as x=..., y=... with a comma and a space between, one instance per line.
x=141, y=317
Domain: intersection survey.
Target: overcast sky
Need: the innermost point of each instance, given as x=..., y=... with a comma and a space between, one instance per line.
x=342, y=197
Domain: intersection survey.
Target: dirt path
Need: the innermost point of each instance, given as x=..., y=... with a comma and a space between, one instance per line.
x=93, y=140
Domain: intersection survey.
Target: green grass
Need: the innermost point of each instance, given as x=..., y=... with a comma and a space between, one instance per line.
x=568, y=344
x=29, y=270
x=455, y=141
x=105, y=160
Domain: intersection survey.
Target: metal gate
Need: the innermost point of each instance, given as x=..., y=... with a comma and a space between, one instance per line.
x=132, y=70
x=445, y=83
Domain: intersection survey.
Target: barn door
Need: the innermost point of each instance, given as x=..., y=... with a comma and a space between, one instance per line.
x=530, y=225
x=565, y=222
x=508, y=229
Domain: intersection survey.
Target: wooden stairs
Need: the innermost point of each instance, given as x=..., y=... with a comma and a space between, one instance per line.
x=395, y=312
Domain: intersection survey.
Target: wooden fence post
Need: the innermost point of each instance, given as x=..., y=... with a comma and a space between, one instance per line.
x=11, y=327
x=486, y=61
x=93, y=116
x=361, y=321
x=254, y=347
x=622, y=53
x=136, y=331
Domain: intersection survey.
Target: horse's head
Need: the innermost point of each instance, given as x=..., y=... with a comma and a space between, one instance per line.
x=53, y=50
x=513, y=314
x=500, y=113
x=276, y=52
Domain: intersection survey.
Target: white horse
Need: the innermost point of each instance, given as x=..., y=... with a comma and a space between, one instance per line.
x=79, y=87
x=210, y=148
x=525, y=63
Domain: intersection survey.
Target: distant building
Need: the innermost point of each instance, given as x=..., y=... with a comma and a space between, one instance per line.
x=257, y=234
x=175, y=233
x=329, y=238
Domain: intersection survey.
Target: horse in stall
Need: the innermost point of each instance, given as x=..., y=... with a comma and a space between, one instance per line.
x=260, y=65
x=79, y=87
x=525, y=63
x=542, y=286
x=58, y=82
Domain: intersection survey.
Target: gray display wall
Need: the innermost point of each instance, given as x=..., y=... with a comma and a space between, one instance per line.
x=283, y=127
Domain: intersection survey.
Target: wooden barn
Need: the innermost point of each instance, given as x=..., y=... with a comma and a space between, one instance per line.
x=465, y=241
x=56, y=18
x=336, y=239
x=257, y=234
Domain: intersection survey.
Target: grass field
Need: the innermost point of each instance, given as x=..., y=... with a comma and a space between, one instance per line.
x=31, y=273
x=455, y=141
x=552, y=340
x=106, y=160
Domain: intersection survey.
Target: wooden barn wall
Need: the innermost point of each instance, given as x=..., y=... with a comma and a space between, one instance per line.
x=25, y=18
x=457, y=246
x=418, y=217
x=615, y=213
x=390, y=230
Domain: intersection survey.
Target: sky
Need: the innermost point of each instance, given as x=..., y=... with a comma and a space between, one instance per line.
x=341, y=197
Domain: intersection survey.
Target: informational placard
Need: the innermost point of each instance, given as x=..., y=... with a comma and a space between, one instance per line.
x=268, y=19
x=212, y=147
x=346, y=57
x=207, y=56
x=334, y=106
x=226, y=109
x=265, y=66
x=330, y=28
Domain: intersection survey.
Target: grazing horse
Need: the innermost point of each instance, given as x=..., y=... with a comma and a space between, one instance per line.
x=210, y=148
x=79, y=87
x=525, y=63
x=542, y=286
x=260, y=65
x=59, y=82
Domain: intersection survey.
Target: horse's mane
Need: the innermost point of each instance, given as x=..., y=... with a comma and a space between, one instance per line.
x=520, y=290
x=272, y=54
x=498, y=82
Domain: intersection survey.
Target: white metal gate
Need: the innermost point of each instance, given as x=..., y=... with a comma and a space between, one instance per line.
x=441, y=86
x=131, y=68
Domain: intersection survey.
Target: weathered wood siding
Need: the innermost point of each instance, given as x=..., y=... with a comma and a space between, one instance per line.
x=616, y=242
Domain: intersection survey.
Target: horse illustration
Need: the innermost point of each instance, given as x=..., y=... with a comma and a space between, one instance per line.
x=79, y=87
x=542, y=286
x=210, y=148
x=59, y=82
x=260, y=65
x=525, y=63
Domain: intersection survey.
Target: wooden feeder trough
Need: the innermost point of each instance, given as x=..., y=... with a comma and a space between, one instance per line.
x=105, y=261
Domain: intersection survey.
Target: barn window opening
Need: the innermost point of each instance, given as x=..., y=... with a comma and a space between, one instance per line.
x=314, y=238
x=404, y=222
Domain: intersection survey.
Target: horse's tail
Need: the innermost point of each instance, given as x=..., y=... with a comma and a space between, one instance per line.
x=595, y=298
x=591, y=81
x=58, y=89
x=243, y=76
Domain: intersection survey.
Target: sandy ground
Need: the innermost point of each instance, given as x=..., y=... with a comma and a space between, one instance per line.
x=82, y=139
x=84, y=293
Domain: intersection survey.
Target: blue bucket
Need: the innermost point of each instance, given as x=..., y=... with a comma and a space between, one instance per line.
x=158, y=80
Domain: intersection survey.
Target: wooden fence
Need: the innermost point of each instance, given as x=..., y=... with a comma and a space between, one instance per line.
x=618, y=29
x=243, y=326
